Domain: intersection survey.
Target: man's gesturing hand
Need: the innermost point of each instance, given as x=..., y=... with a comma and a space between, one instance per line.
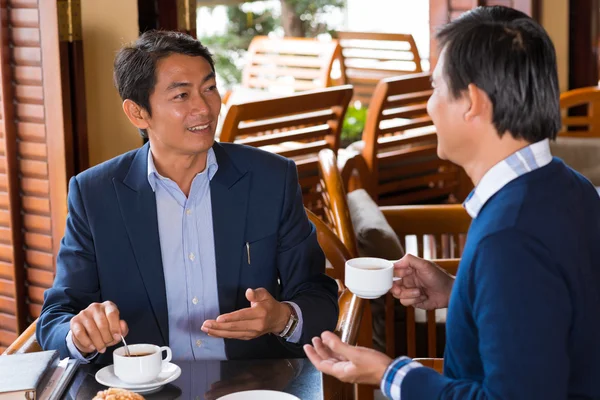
x=265, y=315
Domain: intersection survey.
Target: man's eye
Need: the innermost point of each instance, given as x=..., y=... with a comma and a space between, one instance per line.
x=181, y=96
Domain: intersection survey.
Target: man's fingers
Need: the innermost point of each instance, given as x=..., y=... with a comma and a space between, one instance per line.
x=243, y=335
x=124, y=328
x=324, y=352
x=112, y=316
x=406, y=293
x=244, y=314
x=81, y=339
x=401, y=271
x=103, y=327
x=94, y=334
x=334, y=343
x=413, y=302
x=237, y=326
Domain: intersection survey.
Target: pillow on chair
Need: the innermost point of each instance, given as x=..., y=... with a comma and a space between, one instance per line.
x=374, y=236
x=581, y=154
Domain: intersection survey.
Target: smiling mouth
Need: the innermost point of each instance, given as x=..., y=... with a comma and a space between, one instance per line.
x=199, y=128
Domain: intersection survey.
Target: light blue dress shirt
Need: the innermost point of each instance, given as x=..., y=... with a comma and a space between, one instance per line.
x=185, y=227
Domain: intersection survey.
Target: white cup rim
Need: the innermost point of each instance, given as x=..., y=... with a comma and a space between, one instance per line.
x=120, y=352
x=352, y=263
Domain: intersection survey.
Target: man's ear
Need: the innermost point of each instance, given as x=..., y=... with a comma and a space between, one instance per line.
x=136, y=114
x=480, y=103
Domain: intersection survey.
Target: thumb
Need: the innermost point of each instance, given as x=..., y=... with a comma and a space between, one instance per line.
x=336, y=345
x=257, y=295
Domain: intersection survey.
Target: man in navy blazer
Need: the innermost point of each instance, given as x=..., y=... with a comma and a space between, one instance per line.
x=185, y=242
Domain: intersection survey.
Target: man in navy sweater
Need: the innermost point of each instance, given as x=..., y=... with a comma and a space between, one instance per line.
x=524, y=309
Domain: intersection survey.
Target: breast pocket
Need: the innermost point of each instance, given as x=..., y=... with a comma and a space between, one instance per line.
x=259, y=262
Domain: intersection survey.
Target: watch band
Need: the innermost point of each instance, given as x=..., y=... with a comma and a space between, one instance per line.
x=291, y=325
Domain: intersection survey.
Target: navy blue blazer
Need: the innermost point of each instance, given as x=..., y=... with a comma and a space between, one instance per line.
x=111, y=250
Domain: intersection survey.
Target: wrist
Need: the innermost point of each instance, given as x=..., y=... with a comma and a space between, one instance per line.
x=282, y=320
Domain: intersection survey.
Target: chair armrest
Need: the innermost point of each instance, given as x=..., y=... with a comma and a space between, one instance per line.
x=434, y=363
x=350, y=317
x=427, y=219
x=25, y=343
x=354, y=171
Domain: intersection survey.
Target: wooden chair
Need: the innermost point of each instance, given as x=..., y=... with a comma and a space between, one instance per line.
x=587, y=101
x=400, y=146
x=25, y=343
x=296, y=126
x=354, y=323
x=289, y=64
x=369, y=57
x=442, y=227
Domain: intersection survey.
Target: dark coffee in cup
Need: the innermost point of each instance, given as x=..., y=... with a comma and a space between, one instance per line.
x=138, y=355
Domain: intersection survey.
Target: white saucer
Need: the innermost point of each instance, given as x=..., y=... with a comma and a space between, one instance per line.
x=259, y=395
x=106, y=376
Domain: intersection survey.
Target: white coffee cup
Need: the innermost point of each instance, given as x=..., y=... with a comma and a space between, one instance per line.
x=144, y=365
x=368, y=277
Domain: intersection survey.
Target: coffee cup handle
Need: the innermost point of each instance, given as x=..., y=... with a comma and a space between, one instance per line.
x=167, y=359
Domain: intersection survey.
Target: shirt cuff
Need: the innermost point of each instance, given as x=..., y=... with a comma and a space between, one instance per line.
x=295, y=336
x=394, y=375
x=75, y=353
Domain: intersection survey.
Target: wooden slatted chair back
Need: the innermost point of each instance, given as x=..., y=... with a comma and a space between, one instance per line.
x=369, y=57
x=296, y=126
x=290, y=65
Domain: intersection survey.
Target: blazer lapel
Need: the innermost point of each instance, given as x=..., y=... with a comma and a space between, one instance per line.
x=229, y=196
x=138, y=208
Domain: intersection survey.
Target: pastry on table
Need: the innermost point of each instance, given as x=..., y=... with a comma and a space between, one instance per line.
x=117, y=394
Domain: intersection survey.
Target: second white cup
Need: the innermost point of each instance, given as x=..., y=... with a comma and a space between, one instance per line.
x=368, y=277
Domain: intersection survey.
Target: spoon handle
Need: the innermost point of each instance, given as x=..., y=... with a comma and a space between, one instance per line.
x=125, y=345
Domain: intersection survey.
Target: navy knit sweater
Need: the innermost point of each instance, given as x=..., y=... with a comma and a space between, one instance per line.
x=524, y=314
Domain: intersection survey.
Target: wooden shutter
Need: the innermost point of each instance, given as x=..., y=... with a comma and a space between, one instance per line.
x=443, y=11
x=37, y=149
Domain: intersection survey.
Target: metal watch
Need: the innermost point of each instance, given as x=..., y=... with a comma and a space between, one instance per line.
x=291, y=325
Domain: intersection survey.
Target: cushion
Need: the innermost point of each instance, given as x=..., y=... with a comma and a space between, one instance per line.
x=581, y=154
x=375, y=237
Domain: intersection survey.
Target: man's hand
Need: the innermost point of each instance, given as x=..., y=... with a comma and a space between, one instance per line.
x=265, y=315
x=98, y=327
x=423, y=285
x=347, y=363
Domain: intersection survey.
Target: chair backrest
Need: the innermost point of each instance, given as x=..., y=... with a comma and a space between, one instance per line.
x=587, y=122
x=289, y=64
x=336, y=210
x=400, y=145
x=435, y=232
x=369, y=57
x=295, y=126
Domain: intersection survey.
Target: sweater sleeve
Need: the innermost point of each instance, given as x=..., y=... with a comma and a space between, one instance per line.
x=522, y=311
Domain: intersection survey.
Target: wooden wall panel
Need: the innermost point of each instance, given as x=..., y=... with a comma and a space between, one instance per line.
x=35, y=158
x=13, y=310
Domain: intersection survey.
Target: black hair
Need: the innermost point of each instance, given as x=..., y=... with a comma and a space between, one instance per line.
x=510, y=57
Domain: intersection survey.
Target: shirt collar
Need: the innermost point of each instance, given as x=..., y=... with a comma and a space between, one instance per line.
x=527, y=159
x=211, y=166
